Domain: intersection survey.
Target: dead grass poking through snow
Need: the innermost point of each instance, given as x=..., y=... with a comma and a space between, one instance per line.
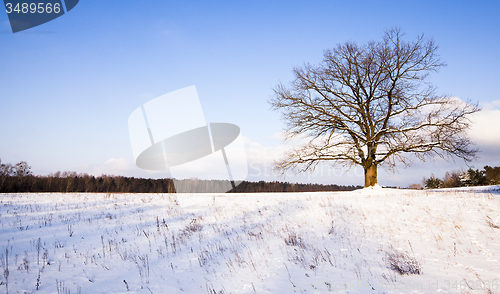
x=248, y=243
x=490, y=223
x=403, y=263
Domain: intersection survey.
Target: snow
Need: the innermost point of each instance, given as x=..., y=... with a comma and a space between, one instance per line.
x=476, y=189
x=342, y=242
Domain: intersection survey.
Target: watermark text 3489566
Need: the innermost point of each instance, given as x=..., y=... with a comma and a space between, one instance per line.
x=25, y=14
x=33, y=8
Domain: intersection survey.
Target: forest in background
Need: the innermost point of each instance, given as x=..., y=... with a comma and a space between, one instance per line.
x=19, y=178
x=462, y=178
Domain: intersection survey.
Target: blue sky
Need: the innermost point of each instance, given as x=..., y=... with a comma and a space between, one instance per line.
x=68, y=86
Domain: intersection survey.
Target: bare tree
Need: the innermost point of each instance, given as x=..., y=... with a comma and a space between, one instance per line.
x=6, y=171
x=22, y=169
x=370, y=105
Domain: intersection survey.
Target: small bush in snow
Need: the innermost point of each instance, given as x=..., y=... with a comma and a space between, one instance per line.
x=194, y=226
x=294, y=240
x=403, y=263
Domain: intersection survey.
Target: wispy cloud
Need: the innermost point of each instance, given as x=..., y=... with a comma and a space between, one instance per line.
x=485, y=130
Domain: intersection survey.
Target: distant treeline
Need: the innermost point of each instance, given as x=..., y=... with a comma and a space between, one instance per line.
x=261, y=186
x=19, y=178
x=460, y=178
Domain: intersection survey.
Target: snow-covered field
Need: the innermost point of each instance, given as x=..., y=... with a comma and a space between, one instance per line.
x=345, y=242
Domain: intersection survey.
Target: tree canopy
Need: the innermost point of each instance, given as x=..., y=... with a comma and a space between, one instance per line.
x=371, y=105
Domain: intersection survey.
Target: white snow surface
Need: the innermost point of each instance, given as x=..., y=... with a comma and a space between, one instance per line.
x=477, y=189
x=340, y=242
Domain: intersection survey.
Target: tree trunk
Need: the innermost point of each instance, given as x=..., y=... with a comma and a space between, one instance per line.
x=371, y=175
